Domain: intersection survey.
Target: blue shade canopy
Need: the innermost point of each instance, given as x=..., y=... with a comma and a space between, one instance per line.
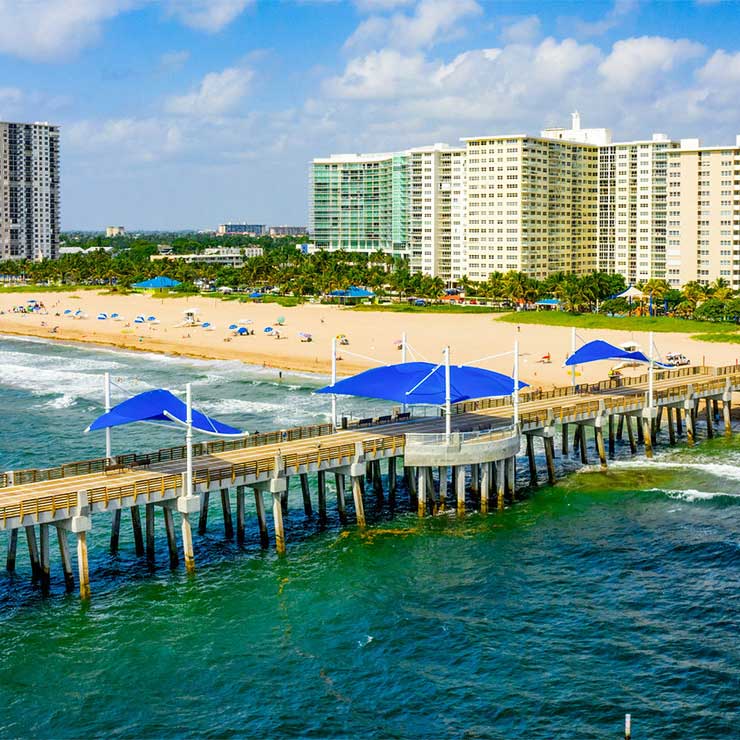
x=352, y=292
x=158, y=282
x=160, y=405
x=423, y=382
x=601, y=350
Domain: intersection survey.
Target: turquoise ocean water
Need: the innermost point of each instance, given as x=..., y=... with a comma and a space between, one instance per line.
x=606, y=594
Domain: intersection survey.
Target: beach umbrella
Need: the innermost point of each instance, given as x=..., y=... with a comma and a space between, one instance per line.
x=208, y=326
x=241, y=331
x=139, y=320
x=268, y=330
x=116, y=317
x=67, y=311
x=233, y=327
x=152, y=320
x=102, y=316
x=280, y=320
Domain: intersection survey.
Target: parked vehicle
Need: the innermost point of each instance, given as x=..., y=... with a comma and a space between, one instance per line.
x=676, y=359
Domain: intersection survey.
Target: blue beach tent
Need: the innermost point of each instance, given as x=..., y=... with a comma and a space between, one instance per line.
x=157, y=283
x=163, y=406
x=423, y=382
x=352, y=292
x=601, y=350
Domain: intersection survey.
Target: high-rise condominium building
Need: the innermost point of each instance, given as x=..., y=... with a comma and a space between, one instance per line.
x=29, y=191
x=570, y=200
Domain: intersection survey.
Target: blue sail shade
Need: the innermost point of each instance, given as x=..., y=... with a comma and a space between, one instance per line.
x=157, y=283
x=423, y=382
x=601, y=350
x=160, y=405
x=352, y=292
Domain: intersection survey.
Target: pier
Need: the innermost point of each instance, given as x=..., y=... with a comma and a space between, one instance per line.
x=475, y=462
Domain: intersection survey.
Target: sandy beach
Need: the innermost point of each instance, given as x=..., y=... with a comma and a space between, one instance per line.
x=370, y=334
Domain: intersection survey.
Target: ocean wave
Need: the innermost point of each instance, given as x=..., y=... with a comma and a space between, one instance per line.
x=60, y=402
x=720, y=470
x=692, y=494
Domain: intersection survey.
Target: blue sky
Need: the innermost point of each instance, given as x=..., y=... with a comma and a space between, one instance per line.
x=188, y=113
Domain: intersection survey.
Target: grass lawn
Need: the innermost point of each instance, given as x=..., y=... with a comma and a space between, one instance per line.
x=707, y=329
x=47, y=288
x=407, y=308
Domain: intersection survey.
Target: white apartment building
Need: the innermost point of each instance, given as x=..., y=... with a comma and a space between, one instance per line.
x=703, y=217
x=569, y=200
x=226, y=256
x=29, y=191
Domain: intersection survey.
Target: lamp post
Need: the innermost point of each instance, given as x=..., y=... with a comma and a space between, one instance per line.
x=572, y=352
x=403, y=358
x=107, y=409
x=651, y=374
x=189, y=440
x=448, y=404
x=333, y=381
x=516, y=384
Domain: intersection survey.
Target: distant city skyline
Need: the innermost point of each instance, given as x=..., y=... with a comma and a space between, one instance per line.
x=173, y=115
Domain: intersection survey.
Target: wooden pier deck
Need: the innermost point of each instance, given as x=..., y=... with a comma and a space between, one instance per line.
x=69, y=496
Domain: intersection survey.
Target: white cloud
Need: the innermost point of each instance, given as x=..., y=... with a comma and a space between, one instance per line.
x=174, y=60
x=634, y=63
x=430, y=20
x=43, y=30
x=619, y=11
x=217, y=94
x=207, y=15
x=379, y=6
x=522, y=30
x=10, y=95
x=721, y=68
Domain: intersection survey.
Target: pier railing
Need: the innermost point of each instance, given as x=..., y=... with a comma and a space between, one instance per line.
x=179, y=452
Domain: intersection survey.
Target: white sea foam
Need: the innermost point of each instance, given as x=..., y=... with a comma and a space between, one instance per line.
x=60, y=402
x=692, y=494
x=721, y=470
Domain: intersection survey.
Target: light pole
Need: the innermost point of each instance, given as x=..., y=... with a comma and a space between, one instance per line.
x=333, y=381
x=448, y=404
x=107, y=409
x=516, y=384
x=189, y=440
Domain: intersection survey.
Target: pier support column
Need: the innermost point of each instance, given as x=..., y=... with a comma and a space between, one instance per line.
x=577, y=436
x=727, y=416
x=259, y=504
x=630, y=433
x=359, y=504
x=205, y=500
x=485, y=486
x=582, y=444
x=421, y=487
x=442, y=472
x=149, y=526
x=564, y=442
x=657, y=424
x=12, y=550
x=511, y=477
x=277, y=515
x=69, y=579
x=640, y=432
x=44, y=558
x=377, y=483
x=599, y=434
x=474, y=478
x=240, y=514
x=226, y=509
x=611, y=437
x=671, y=430
x=500, y=481
x=82, y=567
x=715, y=409
x=306, y=493
x=647, y=423
x=708, y=416
x=188, y=505
x=339, y=482
x=138, y=534
x=532, y=462
x=679, y=423
x=410, y=473
x=169, y=526
x=549, y=443
x=33, y=554
x=284, y=496
x=620, y=428
x=689, y=407
x=459, y=476
x=321, y=487
x=392, y=481
x=115, y=531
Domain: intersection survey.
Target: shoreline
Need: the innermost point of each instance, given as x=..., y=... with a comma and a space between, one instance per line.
x=373, y=336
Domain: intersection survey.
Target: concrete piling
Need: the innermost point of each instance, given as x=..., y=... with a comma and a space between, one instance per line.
x=421, y=488
x=115, y=531
x=359, y=503
x=44, y=558
x=459, y=478
x=12, y=551
x=69, y=579
x=511, y=476
x=240, y=514
x=630, y=434
x=671, y=429
x=708, y=417
x=321, y=492
x=149, y=527
x=83, y=572
x=599, y=434
x=169, y=527
x=341, y=507
x=485, y=486
x=205, y=500
x=532, y=461
x=564, y=441
x=259, y=504
x=33, y=554
x=612, y=445
x=277, y=516
x=442, y=473
x=500, y=483
x=226, y=509
x=306, y=493
x=549, y=443
x=392, y=481
x=727, y=416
